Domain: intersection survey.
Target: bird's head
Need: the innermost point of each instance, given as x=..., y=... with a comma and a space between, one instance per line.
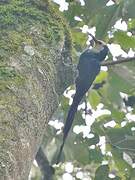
x=100, y=48
x=99, y=45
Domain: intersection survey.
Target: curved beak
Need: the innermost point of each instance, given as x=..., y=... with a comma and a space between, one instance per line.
x=96, y=40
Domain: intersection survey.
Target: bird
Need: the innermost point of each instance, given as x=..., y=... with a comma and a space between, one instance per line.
x=88, y=68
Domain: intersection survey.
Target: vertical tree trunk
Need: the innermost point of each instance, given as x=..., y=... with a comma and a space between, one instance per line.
x=35, y=45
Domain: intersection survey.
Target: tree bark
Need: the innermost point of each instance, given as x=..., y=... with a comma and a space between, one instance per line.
x=35, y=58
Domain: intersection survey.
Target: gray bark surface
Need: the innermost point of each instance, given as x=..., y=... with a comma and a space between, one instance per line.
x=35, y=53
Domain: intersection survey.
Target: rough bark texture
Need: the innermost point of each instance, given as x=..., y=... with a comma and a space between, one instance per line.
x=35, y=50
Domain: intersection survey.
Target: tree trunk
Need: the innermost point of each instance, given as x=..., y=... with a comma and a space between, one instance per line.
x=35, y=58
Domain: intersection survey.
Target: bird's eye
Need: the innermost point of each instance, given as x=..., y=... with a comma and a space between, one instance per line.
x=100, y=42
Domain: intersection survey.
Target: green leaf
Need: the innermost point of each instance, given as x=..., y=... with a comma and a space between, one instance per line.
x=64, y=103
x=94, y=140
x=75, y=9
x=117, y=135
x=101, y=77
x=102, y=172
x=128, y=144
x=132, y=175
x=124, y=40
x=95, y=155
x=116, y=85
x=105, y=20
x=120, y=163
x=117, y=114
x=79, y=40
x=97, y=127
x=128, y=8
x=93, y=98
x=117, y=178
x=80, y=153
x=91, y=9
x=131, y=24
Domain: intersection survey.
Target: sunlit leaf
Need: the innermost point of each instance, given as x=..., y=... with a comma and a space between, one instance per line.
x=101, y=76
x=79, y=40
x=94, y=98
x=124, y=40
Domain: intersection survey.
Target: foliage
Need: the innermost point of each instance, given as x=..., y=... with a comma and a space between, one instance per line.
x=108, y=150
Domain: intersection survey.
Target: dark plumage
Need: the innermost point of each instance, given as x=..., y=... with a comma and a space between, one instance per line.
x=88, y=68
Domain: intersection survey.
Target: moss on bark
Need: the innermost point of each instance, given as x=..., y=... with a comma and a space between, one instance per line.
x=35, y=45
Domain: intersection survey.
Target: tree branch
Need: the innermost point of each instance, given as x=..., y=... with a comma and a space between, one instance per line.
x=118, y=61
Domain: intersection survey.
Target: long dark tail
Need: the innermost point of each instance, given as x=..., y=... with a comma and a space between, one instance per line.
x=69, y=121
